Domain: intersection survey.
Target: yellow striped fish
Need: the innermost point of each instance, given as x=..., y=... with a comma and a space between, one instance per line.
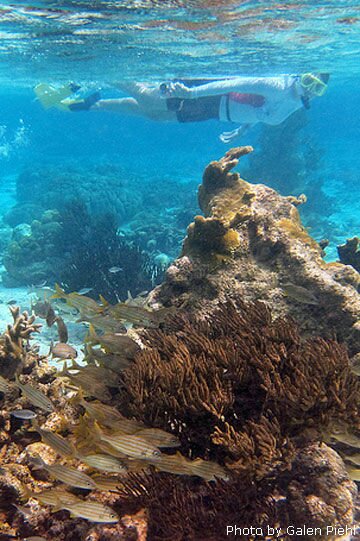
x=51, y=497
x=98, y=372
x=85, y=305
x=103, y=462
x=121, y=344
x=354, y=473
x=181, y=465
x=210, y=471
x=36, y=397
x=61, y=445
x=5, y=385
x=90, y=385
x=109, y=450
x=131, y=445
x=340, y=433
x=35, y=538
x=159, y=437
x=138, y=315
x=66, y=474
x=93, y=511
x=104, y=482
x=355, y=459
x=110, y=417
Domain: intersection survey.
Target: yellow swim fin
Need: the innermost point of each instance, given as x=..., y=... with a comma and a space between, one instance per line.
x=52, y=96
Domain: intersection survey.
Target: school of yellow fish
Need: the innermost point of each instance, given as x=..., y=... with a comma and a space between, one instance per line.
x=101, y=441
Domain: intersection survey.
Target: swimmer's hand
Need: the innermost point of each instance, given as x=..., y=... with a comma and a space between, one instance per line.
x=227, y=136
x=174, y=90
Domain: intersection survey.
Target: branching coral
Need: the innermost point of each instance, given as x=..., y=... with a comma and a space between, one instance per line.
x=14, y=343
x=247, y=392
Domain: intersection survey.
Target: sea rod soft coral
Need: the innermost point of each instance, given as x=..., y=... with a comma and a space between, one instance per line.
x=244, y=390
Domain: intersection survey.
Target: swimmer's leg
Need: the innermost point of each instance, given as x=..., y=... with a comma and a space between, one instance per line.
x=124, y=106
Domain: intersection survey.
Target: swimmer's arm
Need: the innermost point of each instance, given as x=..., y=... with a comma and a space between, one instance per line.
x=266, y=86
x=229, y=136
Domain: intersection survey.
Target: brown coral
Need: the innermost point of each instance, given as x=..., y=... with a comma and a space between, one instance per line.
x=15, y=342
x=244, y=390
x=221, y=197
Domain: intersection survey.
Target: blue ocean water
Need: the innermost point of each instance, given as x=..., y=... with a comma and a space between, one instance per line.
x=49, y=157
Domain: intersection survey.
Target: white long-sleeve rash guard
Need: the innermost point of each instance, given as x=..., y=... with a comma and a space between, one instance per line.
x=282, y=97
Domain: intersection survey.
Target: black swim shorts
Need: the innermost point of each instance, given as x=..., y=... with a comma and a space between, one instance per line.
x=195, y=110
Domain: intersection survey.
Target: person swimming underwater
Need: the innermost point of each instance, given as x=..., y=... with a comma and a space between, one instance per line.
x=242, y=100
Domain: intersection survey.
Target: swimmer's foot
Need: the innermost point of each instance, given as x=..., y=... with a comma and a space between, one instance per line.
x=83, y=104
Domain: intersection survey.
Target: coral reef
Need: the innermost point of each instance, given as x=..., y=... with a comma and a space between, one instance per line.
x=243, y=399
x=78, y=249
x=19, y=447
x=45, y=238
x=216, y=409
x=273, y=250
x=103, y=188
x=244, y=390
x=15, y=351
x=349, y=253
x=33, y=255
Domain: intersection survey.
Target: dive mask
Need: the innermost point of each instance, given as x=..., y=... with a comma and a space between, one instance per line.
x=312, y=84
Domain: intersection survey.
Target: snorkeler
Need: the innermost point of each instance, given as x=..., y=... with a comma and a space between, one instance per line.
x=242, y=100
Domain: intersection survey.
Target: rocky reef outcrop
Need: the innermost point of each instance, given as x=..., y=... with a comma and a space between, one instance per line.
x=349, y=253
x=251, y=242
x=244, y=381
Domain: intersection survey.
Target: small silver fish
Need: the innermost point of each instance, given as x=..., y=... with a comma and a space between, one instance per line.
x=84, y=290
x=24, y=414
x=114, y=269
x=62, y=330
x=36, y=397
x=63, y=351
x=299, y=293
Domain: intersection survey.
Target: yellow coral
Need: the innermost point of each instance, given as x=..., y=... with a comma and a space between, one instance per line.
x=231, y=240
x=296, y=231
